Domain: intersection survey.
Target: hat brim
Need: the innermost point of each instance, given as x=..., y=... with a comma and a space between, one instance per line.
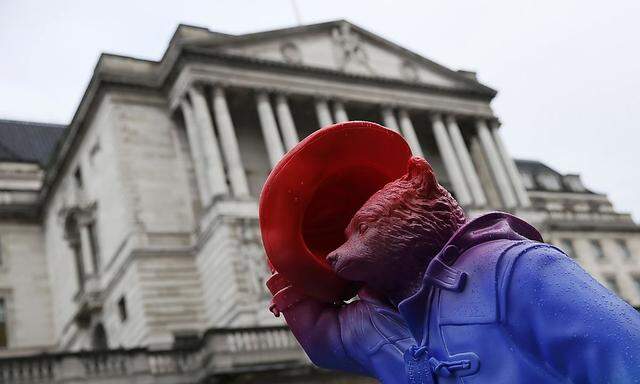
x=314, y=191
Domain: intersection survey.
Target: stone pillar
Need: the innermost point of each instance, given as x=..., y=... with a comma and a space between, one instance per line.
x=472, y=178
x=85, y=249
x=269, y=129
x=409, y=133
x=322, y=110
x=287, y=126
x=510, y=166
x=229, y=141
x=389, y=119
x=196, y=150
x=450, y=160
x=495, y=163
x=213, y=166
x=339, y=112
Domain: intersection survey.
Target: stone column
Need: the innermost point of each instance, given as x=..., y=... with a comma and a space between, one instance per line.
x=269, y=129
x=450, y=160
x=473, y=180
x=214, y=168
x=339, y=112
x=196, y=151
x=510, y=166
x=409, y=133
x=229, y=141
x=389, y=119
x=495, y=163
x=322, y=110
x=287, y=126
x=85, y=249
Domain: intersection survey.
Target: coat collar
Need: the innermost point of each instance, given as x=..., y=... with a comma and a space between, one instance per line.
x=441, y=271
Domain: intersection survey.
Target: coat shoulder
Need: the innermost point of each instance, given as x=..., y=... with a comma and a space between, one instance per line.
x=487, y=267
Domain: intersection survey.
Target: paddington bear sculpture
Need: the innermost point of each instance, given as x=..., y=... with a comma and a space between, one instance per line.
x=444, y=299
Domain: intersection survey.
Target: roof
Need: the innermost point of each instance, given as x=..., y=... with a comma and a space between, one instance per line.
x=217, y=39
x=536, y=169
x=28, y=142
x=202, y=43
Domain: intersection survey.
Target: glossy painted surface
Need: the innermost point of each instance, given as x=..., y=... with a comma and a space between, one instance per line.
x=496, y=306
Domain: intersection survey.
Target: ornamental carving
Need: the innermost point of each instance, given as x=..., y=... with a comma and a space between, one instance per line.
x=408, y=71
x=349, y=48
x=291, y=53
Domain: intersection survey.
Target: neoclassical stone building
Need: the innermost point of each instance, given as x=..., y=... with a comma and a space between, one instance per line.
x=132, y=232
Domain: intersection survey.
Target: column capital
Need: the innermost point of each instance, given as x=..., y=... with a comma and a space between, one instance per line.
x=217, y=89
x=283, y=93
x=324, y=98
x=196, y=85
x=389, y=105
x=403, y=112
x=451, y=118
x=488, y=120
x=435, y=116
x=261, y=93
x=494, y=122
x=268, y=91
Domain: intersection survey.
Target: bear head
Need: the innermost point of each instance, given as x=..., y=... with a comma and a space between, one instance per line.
x=398, y=230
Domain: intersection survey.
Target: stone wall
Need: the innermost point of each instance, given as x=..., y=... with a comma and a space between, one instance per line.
x=98, y=159
x=614, y=267
x=24, y=286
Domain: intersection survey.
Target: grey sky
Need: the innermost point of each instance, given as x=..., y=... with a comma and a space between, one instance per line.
x=567, y=72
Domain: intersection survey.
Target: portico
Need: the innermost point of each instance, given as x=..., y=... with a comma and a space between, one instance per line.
x=280, y=133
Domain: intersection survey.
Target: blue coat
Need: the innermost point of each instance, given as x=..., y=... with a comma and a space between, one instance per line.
x=497, y=306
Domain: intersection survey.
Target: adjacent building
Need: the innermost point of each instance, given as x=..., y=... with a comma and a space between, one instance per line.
x=129, y=240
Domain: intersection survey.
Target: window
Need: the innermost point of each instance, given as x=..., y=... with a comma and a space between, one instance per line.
x=3, y=323
x=624, y=248
x=574, y=183
x=597, y=250
x=93, y=153
x=122, y=309
x=567, y=246
x=549, y=181
x=612, y=284
x=527, y=180
x=185, y=339
x=77, y=178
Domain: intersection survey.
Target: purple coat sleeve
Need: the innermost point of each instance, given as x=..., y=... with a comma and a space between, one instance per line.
x=367, y=336
x=316, y=326
x=560, y=314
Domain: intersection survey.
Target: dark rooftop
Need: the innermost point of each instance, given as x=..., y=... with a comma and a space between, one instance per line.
x=28, y=142
x=538, y=171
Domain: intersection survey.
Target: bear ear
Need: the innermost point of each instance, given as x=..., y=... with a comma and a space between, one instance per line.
x=420, y=174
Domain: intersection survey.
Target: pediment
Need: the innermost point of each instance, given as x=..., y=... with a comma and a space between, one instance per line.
x=343, y=47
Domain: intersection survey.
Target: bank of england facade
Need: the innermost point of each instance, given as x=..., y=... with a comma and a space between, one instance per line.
x=129, y=239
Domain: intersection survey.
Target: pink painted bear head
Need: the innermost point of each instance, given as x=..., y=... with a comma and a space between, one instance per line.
x=394, y=235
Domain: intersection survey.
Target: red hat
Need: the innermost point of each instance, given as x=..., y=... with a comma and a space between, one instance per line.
x=313, y=192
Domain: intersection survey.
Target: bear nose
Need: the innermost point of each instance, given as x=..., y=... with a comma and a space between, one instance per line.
x=332, y=258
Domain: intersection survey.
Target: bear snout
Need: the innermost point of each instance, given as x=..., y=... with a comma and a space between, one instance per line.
x=332, y=259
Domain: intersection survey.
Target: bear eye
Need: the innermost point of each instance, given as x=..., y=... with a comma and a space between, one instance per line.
x=362, y=228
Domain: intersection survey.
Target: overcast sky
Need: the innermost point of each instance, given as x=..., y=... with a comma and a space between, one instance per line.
x=567, y=72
